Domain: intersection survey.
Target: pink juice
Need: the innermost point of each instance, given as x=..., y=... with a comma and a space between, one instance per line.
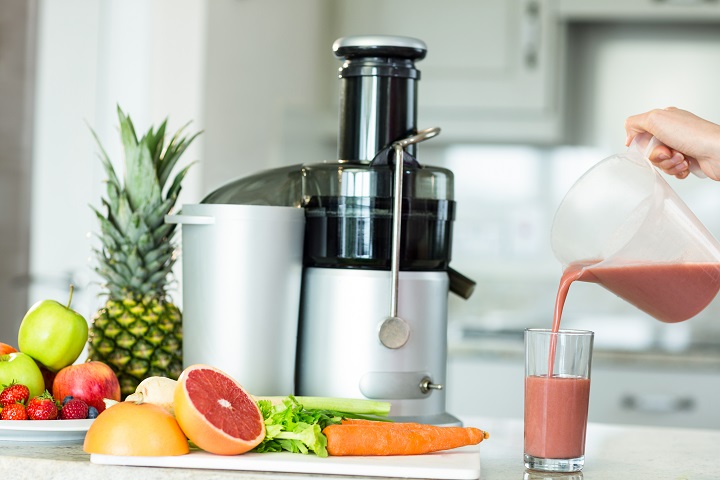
x=556, y=411
x=670, y=292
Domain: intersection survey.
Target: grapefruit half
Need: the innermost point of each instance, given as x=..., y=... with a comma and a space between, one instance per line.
x=216, y=413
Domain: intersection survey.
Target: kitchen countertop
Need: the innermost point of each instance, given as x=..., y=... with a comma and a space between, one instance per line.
x=612, y=452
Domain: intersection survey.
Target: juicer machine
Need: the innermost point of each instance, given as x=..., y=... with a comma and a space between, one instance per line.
x=377, y=243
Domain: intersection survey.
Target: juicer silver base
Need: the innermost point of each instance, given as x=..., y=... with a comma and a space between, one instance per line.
x=441, y=420
x=342, y=341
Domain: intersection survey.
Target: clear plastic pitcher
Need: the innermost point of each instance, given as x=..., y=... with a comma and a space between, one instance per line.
x=622, y=226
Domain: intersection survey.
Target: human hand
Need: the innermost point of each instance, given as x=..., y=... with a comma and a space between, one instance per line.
x=687, y=139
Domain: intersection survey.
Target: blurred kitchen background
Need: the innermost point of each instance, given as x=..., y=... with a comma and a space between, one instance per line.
x=529, y=94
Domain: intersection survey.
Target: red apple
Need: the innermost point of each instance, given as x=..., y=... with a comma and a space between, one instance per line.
x=90, y=382
x=5, y=348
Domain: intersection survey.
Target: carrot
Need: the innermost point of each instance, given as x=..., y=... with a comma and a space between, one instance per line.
x=363, y=437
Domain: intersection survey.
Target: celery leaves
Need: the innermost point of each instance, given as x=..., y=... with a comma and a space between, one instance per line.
x=289, y=426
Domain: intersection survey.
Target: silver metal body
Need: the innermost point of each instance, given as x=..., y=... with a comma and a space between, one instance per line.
x=341, y=353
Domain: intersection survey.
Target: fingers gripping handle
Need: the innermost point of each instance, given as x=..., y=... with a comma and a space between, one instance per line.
x=646, y=143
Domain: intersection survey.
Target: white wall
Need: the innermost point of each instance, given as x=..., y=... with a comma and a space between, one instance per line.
x=253, y=74
x=146, y=56
x=269, y=70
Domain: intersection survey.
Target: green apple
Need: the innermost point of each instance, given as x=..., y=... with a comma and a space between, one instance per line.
x=21, y=368
x=53, y=334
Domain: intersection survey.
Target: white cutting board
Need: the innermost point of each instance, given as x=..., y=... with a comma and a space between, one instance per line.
x=460, y=463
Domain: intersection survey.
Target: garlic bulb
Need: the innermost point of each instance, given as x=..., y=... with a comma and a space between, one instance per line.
x=157, y=390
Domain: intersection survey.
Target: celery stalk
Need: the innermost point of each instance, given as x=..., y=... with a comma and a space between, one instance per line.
x=345, y=405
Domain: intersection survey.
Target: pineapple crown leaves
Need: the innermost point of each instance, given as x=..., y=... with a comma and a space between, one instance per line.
x=136, y=253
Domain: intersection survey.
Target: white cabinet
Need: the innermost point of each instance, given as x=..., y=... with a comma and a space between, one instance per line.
x=676, y=11
x=669, y=393
x=491, y=72
x=653, y=395
x=485, y=387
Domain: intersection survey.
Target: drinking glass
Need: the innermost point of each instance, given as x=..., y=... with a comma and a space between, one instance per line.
x=557, y=392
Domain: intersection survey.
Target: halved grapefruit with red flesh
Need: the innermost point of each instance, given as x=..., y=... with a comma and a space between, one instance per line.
x=216, y=413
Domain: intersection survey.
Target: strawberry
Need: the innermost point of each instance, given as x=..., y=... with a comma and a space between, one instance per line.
x=42, y=407
x=14, y=393
x=15, y=411
x=74, y=409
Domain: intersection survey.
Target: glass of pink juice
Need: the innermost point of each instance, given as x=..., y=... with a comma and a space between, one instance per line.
x=557, y=393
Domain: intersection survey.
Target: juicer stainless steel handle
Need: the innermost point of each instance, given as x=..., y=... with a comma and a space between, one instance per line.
x=398, y=148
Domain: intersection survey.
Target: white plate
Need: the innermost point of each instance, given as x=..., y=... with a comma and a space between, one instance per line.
x=44, y=430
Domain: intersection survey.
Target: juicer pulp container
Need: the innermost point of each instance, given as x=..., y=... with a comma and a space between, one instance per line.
x=242, y=273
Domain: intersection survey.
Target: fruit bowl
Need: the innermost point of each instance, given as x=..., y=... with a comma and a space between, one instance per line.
x=43, y=431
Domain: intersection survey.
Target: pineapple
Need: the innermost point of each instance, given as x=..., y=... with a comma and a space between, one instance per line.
x=139, y=330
